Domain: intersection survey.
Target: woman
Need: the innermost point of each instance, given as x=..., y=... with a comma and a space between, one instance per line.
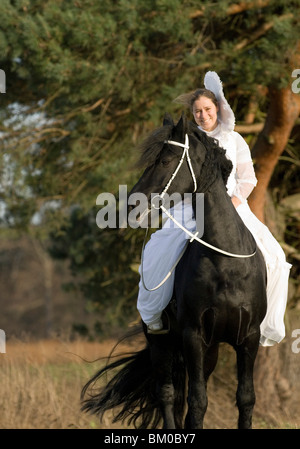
x=214, y=116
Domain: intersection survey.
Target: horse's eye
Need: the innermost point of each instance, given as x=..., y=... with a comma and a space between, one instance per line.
x=165, y=162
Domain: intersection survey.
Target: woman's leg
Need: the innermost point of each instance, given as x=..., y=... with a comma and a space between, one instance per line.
x=161, y=253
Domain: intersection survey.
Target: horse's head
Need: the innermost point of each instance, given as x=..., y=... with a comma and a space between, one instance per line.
x=161, y=154
x=174, y=156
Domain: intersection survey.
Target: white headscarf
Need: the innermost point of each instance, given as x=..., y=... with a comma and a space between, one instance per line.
x=226, y=116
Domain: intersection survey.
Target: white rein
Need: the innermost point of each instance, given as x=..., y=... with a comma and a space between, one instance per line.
x=185, y=153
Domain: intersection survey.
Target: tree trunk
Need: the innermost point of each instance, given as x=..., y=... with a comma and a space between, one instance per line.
x=283, y=111
x=272, y=388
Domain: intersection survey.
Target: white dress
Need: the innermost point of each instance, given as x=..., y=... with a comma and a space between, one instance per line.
x=166, y=245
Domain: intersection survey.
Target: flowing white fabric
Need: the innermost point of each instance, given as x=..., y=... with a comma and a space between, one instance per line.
x=166, y=244
x=272, y=328
x=226, y=116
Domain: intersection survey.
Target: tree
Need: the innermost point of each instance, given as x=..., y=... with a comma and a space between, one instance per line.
x=283, y=112
x=87, y=80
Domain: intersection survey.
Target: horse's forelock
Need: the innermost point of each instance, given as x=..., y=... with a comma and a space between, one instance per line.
x=152, y=146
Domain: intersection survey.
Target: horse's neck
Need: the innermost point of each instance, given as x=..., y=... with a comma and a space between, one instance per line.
x=222, y=225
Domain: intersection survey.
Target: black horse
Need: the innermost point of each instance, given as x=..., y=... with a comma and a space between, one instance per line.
x=217, y=298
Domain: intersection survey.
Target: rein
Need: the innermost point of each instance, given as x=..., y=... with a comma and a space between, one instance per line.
x=185, y=153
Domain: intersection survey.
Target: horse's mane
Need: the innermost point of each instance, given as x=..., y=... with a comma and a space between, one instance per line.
x=215, y=156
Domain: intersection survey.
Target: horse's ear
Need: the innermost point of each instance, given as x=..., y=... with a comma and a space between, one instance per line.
x=181, y=127
x=168, y=120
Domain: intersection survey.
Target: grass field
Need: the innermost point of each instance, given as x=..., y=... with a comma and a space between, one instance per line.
x=41, y=384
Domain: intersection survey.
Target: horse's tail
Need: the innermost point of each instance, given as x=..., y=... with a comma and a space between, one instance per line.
x=133, y=391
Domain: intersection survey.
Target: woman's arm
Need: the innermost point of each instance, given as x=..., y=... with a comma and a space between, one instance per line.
x=245, y=174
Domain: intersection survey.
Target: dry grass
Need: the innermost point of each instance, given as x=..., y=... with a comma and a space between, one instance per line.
x=41, y=384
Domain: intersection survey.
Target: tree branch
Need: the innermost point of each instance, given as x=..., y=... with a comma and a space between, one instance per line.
x=249, y=129
x=236, y=8
x=259, y=32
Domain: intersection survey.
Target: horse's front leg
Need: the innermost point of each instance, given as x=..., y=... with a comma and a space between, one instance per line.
x=166, y=394
x=161, y=355
x=194, y=352
x=245, y=396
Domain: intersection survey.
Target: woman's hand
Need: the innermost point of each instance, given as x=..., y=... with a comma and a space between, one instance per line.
x=235, y=201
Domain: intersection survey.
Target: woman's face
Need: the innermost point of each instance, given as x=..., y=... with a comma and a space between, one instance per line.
x=205, y=113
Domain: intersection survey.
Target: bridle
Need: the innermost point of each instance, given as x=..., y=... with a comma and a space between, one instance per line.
x=185, y=154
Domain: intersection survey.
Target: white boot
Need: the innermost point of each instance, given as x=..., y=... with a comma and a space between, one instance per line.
x=157, y=327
